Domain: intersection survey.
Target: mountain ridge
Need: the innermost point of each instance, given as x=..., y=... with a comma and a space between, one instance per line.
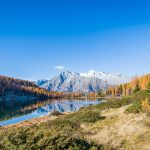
x=111, y=78
x=92, y=81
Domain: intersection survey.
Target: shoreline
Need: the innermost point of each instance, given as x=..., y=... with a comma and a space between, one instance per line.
x=33, y=121
x=4, y=122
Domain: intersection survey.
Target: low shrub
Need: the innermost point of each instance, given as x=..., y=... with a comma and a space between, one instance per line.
x=63, y=133
x=135, y=107
x=88, y=116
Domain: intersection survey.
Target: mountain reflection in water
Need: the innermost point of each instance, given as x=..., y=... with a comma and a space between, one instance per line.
x=15, y=111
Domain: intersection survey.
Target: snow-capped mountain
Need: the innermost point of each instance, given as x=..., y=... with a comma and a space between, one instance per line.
x=112, y=79
x=85, y=82
x=73, y=82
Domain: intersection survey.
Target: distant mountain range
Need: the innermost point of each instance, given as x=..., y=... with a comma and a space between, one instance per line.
x=82, y=82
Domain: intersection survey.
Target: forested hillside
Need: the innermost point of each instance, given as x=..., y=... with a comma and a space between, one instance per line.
x=139, y=83
x=23, y=87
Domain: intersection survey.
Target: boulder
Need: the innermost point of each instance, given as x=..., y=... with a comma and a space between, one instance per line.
x=55, y=113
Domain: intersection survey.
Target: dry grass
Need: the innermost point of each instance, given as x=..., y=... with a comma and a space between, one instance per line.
x=121, y=130
x=146, y=105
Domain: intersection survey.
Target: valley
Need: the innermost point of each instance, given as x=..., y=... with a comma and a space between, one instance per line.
x=74, y=75
x=22, y=100
x=119, y=122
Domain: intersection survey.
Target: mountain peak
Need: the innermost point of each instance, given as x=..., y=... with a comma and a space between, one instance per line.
x=68, y=73
x=93, y=72
x=69, y=81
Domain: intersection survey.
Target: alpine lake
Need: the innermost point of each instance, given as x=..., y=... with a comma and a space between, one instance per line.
x=16, y=110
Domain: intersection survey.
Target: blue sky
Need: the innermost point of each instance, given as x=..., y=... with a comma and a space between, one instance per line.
x=36, y=36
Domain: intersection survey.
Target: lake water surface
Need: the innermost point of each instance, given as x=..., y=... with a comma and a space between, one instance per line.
x=15, y=112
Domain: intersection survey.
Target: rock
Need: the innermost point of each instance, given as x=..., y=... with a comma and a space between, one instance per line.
x=55, y=113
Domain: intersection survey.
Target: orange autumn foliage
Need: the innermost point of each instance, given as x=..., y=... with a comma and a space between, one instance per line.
x=139, y=83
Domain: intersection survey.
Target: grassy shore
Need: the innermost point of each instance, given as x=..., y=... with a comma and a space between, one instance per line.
x=111, y=125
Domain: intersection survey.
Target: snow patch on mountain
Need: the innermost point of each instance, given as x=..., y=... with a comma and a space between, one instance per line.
x=113, y=79
x=73, y=82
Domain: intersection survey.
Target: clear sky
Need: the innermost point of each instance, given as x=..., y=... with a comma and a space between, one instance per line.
x=104, y=35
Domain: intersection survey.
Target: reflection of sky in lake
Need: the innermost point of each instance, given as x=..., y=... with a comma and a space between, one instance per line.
x=59, y=105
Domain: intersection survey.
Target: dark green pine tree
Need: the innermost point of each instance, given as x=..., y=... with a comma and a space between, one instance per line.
x=148, y=85
x=137, y=88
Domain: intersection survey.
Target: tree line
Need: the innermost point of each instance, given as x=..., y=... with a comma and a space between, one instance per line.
x=137, y=84
x=23, y=87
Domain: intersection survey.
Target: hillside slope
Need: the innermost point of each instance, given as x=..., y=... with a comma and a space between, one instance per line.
x=21, y=87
